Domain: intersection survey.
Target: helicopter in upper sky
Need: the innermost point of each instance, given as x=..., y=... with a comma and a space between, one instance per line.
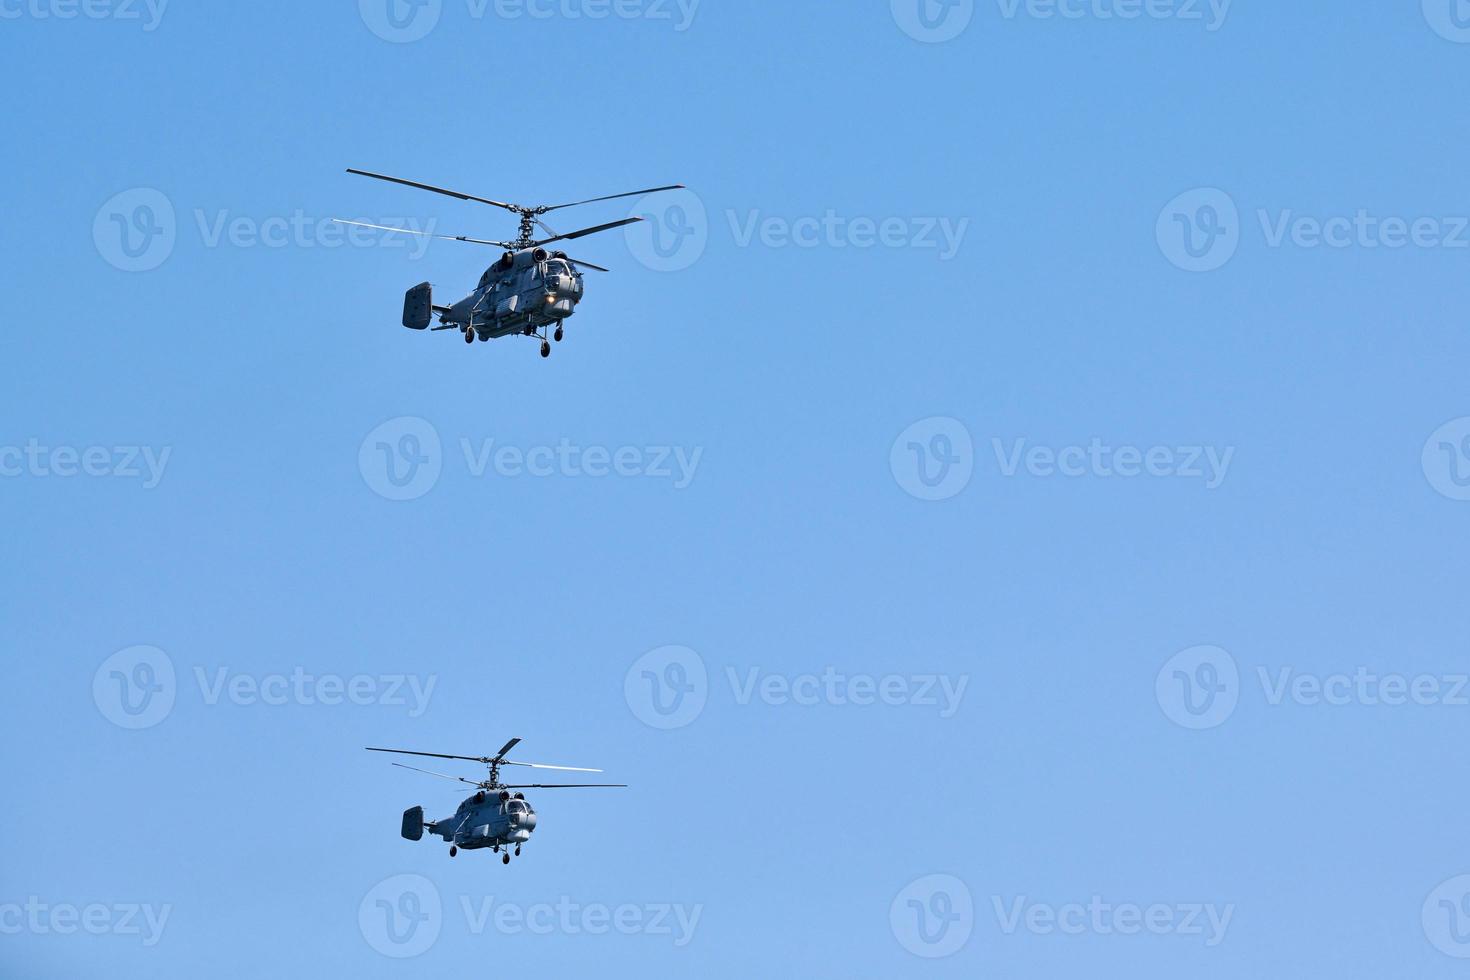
x=528, y=291
x=494, y=817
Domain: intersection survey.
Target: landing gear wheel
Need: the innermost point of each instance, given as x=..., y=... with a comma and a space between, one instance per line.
x=469, y=336
x=518, y=850
x=545, y=349
x=557, y=336
x=453, y=850
x=505, y=859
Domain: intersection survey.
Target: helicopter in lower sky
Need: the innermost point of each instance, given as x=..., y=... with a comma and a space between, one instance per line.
x=497, y=816
x=528, y=291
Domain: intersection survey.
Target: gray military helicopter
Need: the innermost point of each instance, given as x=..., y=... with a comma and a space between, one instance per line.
x=495, y=817
x=528, y=291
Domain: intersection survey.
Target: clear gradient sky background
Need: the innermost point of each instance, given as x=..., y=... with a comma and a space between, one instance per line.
x=985, y=464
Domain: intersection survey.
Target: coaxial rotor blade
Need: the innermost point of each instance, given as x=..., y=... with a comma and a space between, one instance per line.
x=436, y=755
x=542, y=765
x=586, y=265
x=568, y=786
x=587, y=231
x=422, y=234
x=614, y=197
x=498, y=759
x=430, y=187
x=426, y=772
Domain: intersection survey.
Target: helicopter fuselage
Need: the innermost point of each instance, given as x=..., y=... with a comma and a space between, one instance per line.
x=488, y=819
x=520, y=294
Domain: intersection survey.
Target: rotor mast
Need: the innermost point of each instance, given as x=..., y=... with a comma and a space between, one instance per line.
x=527, y=237
x=493, y=783
x=493, y=763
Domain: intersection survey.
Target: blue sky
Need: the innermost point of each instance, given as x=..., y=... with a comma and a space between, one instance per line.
x=1003, y=520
